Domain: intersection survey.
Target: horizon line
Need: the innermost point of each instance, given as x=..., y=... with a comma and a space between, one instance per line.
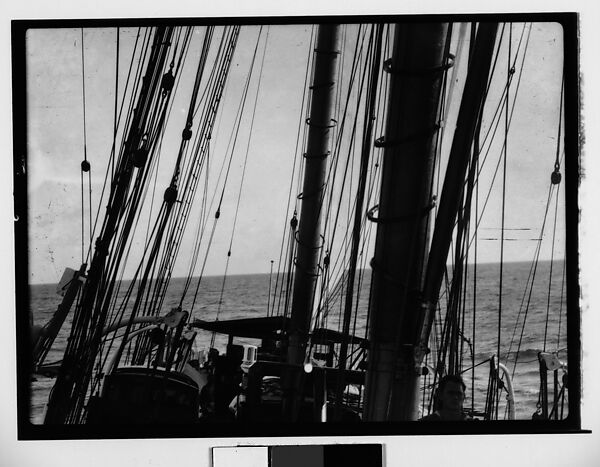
x=267, y=273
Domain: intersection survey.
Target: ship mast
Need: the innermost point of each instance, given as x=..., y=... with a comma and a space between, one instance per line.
x=405, y=285
x=416, y=71
x=309, y=238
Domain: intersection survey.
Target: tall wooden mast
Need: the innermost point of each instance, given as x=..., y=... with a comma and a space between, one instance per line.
x=405, y=286
x=309, y=231
x=416, y=71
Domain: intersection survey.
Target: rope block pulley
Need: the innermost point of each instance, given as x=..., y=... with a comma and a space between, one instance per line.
x=170, y=195
x=85, y=166
x=186, y=134
x=556, y=177
x=168, y=80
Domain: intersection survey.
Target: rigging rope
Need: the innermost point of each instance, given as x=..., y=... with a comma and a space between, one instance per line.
x=114, y=298
x=555, y=180
x=116, y=105
x=332, y=170
x=504, y=98
x=216, y=87
x=375, y=50
x=152, y=305
x=342, y=263
x=476, y=148
x=237, y=207
x=174, y=227
x=301, y=119
x=493, y=129
x=112, y=153
x=85, y=165
x=67, y=402
x=530, y=282
x=503, y=209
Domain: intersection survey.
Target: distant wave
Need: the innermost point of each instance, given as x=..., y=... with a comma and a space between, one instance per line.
x=524, y=355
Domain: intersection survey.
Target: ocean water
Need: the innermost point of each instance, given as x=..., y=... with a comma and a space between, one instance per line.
x=245, y=296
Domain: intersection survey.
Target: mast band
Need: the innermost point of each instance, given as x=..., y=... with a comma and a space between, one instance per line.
x=388, y=68
x=397, y=219
x=309, y=123
x=314, y=193
x=318, y=247
x=417, y=135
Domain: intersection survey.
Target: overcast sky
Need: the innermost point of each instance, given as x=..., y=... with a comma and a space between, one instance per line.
x=55, y=144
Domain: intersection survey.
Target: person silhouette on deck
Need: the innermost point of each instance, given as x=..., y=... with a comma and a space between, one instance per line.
x=450, y=397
